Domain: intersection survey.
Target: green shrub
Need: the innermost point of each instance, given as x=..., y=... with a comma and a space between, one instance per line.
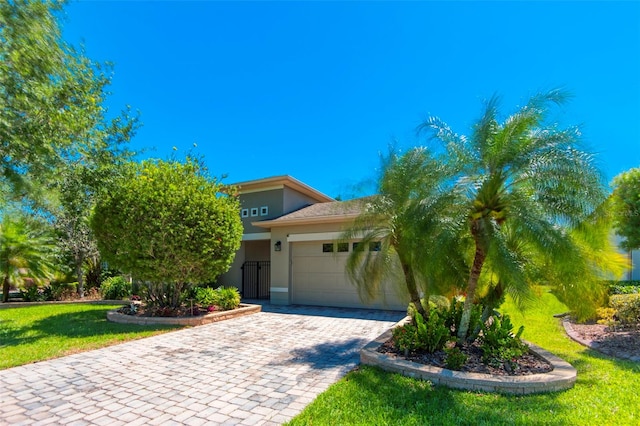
x=205, y=296
x=32, y=294
x=453, y=316
x=56, y=291
x=499, y=344
x=224, y=298
x=430, y=335
x=228, y=298
x=455, y=358
x=115, y=288
x=627, y=308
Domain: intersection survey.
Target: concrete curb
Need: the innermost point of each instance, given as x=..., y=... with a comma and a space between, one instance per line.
x=63, y=302
x=244, y=309
x=562, y=377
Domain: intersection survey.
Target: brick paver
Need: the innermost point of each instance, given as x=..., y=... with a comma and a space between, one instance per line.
x=260, y=369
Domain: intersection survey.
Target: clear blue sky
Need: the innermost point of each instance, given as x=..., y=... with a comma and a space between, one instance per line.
x=317, y=89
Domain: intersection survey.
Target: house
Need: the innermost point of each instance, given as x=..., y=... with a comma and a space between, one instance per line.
x=289, y=252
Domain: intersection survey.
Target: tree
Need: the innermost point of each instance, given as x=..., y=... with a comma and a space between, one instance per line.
x=404, y=217
x=25, y=251
x=167, y=222
x=51, y=97
x=525, y=178
x=626, y=202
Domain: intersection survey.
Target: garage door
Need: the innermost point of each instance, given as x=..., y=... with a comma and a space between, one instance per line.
x=319, y=278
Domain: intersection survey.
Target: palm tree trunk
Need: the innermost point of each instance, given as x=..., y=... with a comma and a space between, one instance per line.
x=5, y=289
x=474, y=276
x=412, y=287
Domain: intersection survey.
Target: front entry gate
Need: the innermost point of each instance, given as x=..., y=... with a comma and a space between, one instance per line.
x=256, y=279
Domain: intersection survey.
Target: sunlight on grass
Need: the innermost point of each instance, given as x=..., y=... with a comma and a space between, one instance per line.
x=35, y=333
x=606, y=391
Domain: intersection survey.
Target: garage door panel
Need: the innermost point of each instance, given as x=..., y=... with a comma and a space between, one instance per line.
x=320, y=279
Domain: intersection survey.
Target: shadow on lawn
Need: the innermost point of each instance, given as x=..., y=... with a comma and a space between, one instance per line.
x=72, y=325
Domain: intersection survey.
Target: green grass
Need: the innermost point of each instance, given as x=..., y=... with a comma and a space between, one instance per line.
x=607, y=391
x=35, y=333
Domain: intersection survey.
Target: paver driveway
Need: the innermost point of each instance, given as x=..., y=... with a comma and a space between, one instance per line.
x=258, y=369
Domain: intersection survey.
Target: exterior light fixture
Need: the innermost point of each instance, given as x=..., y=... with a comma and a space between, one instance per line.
x=277, y=246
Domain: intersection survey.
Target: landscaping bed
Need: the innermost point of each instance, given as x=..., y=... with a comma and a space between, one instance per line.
x=623, y=343
x=201, y=317
x=526, y=364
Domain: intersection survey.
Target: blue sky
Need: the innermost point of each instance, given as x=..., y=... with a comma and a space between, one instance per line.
x=317, y=90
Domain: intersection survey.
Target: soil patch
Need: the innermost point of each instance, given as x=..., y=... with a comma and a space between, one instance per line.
x=620, y=342
x=525, y=365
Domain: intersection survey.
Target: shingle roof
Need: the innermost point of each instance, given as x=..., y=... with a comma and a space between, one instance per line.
x=335, y=211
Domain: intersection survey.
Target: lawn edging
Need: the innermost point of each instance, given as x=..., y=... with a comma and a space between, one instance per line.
x=63, y=302
x=562, y=377
x=243, y=309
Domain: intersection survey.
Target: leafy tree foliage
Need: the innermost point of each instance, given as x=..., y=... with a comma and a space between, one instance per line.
x=167, y=222
x=528, y=183
x=407, y=215
x=626, y=198
x=25, y=251
x=55, y=136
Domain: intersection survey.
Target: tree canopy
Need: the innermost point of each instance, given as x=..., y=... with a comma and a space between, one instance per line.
x=51, y=97
x=626, y=203
x=529, y=185
x=168, y=222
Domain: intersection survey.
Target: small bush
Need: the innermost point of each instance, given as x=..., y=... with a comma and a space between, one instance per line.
x=32, y=294
x=455, y=358
x=205, y=296
x=627, y=308
x=115, y=288
x=224, y=298
x=624, y=287
x=453, y=316
x=228, y=298
x=56, y=291
x=499, y=344
x=430, y=336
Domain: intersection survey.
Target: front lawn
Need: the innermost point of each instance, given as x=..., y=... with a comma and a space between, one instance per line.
x=35, y=333
x=607, y=391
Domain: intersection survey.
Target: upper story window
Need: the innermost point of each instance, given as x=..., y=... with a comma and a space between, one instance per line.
x=264, y=211
x=244, y=213
x=254, y=212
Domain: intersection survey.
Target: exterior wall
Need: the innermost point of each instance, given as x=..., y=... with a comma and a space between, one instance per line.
x=257, y=250
x=272, y=199
x=280, y=267
x=293, y=200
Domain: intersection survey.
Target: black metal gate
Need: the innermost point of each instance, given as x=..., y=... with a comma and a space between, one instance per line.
x=256, y=279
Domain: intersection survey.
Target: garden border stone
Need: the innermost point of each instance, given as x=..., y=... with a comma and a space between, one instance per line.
x=562, y=377
x=63, y=302
x=242, y=310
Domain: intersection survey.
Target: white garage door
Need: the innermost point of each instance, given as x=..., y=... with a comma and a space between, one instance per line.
x=319, y=278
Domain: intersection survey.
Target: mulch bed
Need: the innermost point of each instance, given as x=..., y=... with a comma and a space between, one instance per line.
x=620, y=342
x=524, y=365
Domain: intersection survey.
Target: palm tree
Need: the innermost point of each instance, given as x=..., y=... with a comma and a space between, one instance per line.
x=405, y=219
x=525, y=178
x=24, y=252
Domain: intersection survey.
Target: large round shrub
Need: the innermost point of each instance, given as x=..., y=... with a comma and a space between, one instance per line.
x=167, y=223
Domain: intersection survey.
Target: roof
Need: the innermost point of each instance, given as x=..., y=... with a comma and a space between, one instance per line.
x=332, y=212
x=278, y=182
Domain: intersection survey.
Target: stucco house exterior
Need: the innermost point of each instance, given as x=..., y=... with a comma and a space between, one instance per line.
x=289, y=252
